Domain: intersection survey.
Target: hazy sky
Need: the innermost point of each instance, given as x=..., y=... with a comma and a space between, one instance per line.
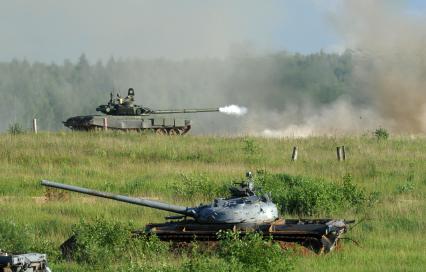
x=51, y=30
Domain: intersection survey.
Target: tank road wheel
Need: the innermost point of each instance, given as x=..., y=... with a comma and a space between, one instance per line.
x=161, y=131
x=138, y=111
x=174, y=131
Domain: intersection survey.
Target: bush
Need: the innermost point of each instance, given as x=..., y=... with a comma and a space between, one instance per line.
x=15, y=129
x=252, y=253
x=197, y=185
x=14, y=238
x=381, y=134
x=108, y=245
x=18, y=239
x=407, y=187
x=200, y=261
x=102, y=241
x=249, y=253
x=250, y=146
x=305, y=196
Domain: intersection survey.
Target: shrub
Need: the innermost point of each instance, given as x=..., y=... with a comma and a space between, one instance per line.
x=102, y=241
x=18, y=239
x=202, y=263
x=249, y=253
x=201, y=260
x=250, y=147
x=305, y=196
x=104, y=244
x=407, y=187
x=381, y=134
x=197, y=185
x=15, y=129
x=252, y=253
x=14, y=238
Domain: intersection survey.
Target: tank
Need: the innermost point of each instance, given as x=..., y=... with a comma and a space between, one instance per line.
x=244, y=211
x=122, y=114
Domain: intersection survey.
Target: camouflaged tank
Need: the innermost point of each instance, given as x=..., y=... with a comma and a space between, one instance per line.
x=122, y=114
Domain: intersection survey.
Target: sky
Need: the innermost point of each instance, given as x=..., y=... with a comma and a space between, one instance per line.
x=51, y=30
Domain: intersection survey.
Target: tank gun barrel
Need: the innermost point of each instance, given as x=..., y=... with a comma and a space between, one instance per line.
x=185, y=111
x=132, y=200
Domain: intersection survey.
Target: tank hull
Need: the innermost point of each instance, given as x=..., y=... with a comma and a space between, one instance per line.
x=320, y=235
x=156, y=124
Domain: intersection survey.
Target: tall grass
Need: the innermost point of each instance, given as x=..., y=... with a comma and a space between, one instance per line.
x=181, y=170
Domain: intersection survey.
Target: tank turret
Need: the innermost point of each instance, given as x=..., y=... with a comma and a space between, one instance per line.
x=126, y=106
x=238, y=208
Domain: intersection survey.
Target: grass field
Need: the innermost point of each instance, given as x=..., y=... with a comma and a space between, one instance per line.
x=391, y=238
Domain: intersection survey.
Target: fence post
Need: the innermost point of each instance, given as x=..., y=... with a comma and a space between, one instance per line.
x=339, y=153
x=35, y=125
x=105, y=123
x=294, y=154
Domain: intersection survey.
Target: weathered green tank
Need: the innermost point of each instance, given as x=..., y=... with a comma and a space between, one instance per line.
x=122, y=114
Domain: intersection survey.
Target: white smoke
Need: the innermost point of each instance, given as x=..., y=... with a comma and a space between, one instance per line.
x=233, y=110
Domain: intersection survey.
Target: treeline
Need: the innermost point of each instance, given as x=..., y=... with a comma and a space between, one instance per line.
x=54, y=92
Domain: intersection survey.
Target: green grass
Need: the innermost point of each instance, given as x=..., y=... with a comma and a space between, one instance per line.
x=391, y=238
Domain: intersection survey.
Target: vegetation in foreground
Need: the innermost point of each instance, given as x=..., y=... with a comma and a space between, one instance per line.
x=381, y=184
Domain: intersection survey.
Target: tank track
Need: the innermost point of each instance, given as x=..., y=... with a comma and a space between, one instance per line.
x=158, y=131
x=318, y=235
x=159, y=126
x=315, y=234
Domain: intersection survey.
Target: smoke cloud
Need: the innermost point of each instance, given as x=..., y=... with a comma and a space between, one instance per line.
x=390, y=61
x=388, y=46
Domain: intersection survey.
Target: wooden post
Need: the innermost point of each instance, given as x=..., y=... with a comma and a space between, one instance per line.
x=105, y=123
x=35, y=125
x=294, y=154
x=339, y=153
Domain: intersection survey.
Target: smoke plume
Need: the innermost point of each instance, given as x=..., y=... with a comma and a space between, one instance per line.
x=388, y=46
x=391, y=60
